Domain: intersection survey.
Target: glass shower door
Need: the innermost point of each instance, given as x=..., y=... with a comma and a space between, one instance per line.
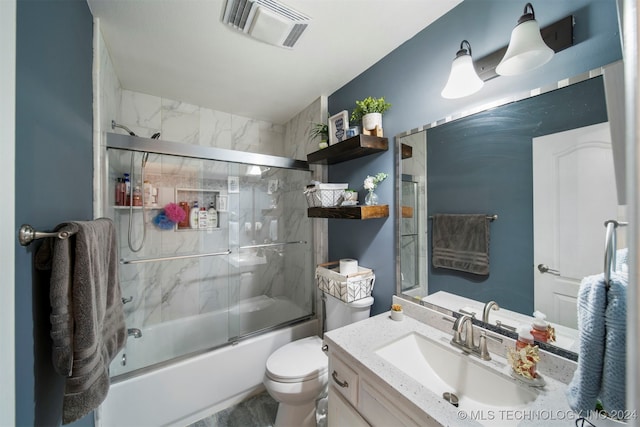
x=272, y=251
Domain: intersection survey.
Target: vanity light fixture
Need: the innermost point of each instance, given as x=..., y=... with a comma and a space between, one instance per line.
x=463, y=78
x=527, y=50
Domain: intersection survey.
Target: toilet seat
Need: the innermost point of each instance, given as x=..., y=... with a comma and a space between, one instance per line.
x=300, y=360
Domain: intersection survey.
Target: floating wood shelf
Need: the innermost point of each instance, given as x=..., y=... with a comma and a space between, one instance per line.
x=407, y=212
x=349, y=149
x=350, y=212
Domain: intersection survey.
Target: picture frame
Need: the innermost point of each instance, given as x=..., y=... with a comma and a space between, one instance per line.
x=338, y=125
x=233, y=184
x=222, y=203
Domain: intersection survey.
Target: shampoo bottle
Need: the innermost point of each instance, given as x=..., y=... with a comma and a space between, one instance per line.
x=212, y=216
x=193, y=217
x=203, y=218
x=540, y=327
x=147, y=193
x=127, y=190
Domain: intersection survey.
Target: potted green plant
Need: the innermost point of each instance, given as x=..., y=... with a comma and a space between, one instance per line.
x=320, y=130
x=370, y=111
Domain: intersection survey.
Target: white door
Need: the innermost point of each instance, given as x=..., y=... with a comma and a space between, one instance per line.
x=574, y=192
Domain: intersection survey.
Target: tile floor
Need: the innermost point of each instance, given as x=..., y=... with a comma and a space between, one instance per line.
x=257, y=411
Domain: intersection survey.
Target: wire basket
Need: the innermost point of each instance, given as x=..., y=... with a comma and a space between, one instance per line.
x=325, y=195
x=348, y=288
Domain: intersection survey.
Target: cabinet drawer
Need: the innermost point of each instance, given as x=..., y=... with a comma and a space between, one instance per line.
x=342, y=414
x=343, y=378
x=379, y=410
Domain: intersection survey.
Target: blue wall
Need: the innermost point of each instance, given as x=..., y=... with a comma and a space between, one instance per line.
x=54, y=173
x=411, y=78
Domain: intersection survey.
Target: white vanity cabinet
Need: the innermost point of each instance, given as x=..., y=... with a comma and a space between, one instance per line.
x=355, y=400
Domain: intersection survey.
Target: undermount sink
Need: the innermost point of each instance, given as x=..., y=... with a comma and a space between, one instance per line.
x=443, y=369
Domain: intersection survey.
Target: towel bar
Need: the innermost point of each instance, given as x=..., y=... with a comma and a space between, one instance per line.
x=489, y=217
x=170, y=258
x=28, y=234
x=610, y=247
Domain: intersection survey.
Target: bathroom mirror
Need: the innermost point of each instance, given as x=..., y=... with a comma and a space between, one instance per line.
x=549, y=165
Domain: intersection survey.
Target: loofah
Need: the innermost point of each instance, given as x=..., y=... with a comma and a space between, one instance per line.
x=161, y=221
x=174, y=213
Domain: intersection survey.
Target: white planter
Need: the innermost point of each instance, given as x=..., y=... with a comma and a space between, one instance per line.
x=397, y=315
x=369, y=121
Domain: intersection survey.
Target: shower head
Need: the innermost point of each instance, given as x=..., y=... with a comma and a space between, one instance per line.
x=145, y=156
x=116, y=125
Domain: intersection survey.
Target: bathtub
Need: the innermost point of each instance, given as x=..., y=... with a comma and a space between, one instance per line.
x=190, y=389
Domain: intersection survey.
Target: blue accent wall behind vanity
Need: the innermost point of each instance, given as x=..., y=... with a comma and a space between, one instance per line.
x=54, y=178
x=411, y=78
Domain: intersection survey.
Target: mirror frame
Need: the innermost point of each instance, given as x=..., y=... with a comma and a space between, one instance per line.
x=619, y=161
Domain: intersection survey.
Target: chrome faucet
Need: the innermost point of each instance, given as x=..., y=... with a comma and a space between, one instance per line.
x=134, y=332
x=491, y=305
x=465, y=323
x=458, y=326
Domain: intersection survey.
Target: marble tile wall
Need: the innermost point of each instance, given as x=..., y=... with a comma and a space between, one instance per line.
x=171, y=290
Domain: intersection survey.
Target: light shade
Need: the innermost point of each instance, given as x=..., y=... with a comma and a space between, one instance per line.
x=253, y=170
x=526, y=50
x=463, y=78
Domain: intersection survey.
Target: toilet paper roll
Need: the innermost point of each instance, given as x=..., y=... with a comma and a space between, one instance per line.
x=348, y=266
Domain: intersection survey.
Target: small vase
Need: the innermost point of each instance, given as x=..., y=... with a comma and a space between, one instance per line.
x=371, y=198
x=397, y=315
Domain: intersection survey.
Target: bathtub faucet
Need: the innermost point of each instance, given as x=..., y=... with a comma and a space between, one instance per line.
x=134, y=332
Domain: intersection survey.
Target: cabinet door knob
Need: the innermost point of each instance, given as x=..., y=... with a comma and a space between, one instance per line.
x=342, y=384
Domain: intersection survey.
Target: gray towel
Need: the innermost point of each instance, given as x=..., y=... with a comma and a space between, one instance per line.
x=87, y=319
x=461, y=242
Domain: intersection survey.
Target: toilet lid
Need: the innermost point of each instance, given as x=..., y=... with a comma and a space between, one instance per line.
x=299, y=360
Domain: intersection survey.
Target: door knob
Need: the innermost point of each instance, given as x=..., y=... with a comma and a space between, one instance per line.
x=543, y=268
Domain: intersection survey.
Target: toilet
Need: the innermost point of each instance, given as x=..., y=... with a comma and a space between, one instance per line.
x=296, y=374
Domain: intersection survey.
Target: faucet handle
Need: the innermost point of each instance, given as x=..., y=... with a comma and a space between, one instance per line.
x=482, y=347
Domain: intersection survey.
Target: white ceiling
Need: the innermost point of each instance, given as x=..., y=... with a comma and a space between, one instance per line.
x=179, y=49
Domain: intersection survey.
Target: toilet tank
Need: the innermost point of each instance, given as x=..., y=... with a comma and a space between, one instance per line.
x=340, y=313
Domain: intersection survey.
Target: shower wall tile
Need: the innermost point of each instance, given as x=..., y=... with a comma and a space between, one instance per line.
x=215, y=128
x=297, y=143
x=140, y=112
x=245, y=135
x=180, y=292
x=180, y=122
x=271, y=138
x=109, y=89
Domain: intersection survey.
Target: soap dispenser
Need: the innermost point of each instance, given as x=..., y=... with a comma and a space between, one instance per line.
x=526, y=355
x=540, y=327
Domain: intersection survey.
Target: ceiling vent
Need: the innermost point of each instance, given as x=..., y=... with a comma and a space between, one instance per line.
x=266, y=20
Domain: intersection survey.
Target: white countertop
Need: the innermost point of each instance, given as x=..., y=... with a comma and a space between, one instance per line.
x=360, y=341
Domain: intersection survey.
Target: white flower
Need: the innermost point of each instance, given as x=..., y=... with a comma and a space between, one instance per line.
x=369, y=184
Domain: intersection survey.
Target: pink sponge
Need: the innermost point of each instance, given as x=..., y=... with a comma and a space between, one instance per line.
x=174, y=212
